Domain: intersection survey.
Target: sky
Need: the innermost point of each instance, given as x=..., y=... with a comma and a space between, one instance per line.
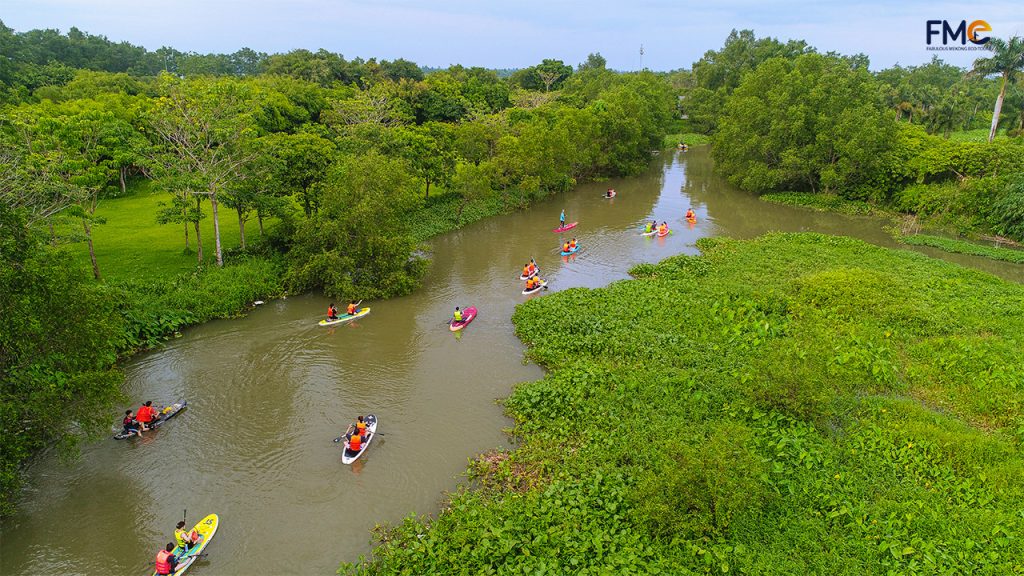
x=506, y=34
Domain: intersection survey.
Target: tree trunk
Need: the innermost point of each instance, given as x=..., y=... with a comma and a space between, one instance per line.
x=241, y=228
x=305, y=204
x=259, y=217
x=216, y=229
x=186, y=236
x=92, y=252
x=123, y=186
x=999, y=108
x=427, y=197
x=199, y=238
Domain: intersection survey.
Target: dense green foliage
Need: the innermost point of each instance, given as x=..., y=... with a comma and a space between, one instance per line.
x=808, y=123
x=774, y=406
x=784, y=118
x=959, y=246
x=59, y=337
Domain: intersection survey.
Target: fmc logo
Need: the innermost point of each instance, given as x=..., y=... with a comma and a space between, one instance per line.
x=963, y=31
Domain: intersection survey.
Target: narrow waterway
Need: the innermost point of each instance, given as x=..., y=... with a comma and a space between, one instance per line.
x=267, y=393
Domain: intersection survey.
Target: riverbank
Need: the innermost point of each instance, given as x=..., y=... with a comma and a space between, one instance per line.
x=786, y=381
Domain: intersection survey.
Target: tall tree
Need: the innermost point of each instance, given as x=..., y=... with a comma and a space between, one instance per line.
x=1007, y=61
x=203, y=127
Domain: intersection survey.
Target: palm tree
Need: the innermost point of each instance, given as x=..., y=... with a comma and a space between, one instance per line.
x=1007, y=60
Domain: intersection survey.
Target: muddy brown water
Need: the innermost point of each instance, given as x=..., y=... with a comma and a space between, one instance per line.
x=267, y=393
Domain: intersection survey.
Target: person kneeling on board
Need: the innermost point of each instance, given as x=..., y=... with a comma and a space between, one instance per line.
x=456, y=317
x=332, y=312
x=690, y=215
x=185, y=539
x=527, y=271
x=166, y=562
x=572, y=245
x=353, y=308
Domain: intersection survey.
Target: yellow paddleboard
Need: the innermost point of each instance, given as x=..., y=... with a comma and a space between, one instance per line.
x=206, y=528
x=346, y=317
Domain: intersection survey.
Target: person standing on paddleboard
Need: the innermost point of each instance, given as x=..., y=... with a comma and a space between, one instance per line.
x=561, y=219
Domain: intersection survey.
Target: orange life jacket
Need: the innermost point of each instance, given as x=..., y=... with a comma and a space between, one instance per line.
x=526, y=271
x=330, y=311
x=351, y=309
x=361, y=428
x=572, y=246
x=163, y=562
x=355, y=443
x=145, y=414
x=565, y=247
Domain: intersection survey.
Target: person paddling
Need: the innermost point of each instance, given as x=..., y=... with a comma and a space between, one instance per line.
x=131, y=426
x=565, y=247
x=186, y=540
x=332, y=312
x=690, y=215
x=572, y=245
x=166, y=562
x=610, y=193
x=146, y=415
x=533, y=266
x=456, y=317
x=527, y=270
x=353, y=308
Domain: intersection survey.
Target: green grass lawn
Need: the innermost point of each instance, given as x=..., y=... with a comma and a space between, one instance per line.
x=976, y=135
x=131, y=245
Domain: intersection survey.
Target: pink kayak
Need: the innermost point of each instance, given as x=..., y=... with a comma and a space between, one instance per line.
x=467, y=316
x=566, y=227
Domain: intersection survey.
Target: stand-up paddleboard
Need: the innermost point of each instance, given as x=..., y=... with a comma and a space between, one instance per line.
x=206, y=528
x=665, y=233
x=467, y=316
x=540, y=287
x=348, y=456
x=165, y=414
x=346, y=317
x=573, y=251
x=565, y=227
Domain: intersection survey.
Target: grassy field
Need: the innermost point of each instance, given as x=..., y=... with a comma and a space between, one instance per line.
x=976, y=135
x=793, y=404
x=132, y=246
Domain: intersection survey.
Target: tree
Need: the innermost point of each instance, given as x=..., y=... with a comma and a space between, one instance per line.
x=472, y=182
x=43, y=363
x=1007, y=61
x=356, y=246
x=298, y=163
x=72, y=146
x=203, y=127
x=428, y=150
x=813, y=123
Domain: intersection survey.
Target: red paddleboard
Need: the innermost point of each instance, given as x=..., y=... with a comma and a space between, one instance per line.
x=566, y=227
x=467, y=316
